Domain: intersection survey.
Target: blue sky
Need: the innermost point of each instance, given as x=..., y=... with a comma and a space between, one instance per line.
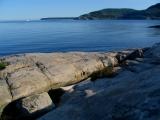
x=35, y=9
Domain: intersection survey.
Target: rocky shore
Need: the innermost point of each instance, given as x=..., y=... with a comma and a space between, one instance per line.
x=81, y=85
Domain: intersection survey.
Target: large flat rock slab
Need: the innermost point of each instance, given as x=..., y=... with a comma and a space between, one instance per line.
x=29, y=74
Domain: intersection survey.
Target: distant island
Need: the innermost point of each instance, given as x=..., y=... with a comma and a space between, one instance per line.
x=57, y=18
x=152, y=13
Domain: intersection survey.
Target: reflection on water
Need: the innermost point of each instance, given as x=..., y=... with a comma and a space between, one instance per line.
x=76, y=35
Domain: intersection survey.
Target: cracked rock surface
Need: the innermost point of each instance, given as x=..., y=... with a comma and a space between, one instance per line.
x=30, y=74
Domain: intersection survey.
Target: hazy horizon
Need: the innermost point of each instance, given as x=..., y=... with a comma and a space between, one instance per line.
x=36, y=9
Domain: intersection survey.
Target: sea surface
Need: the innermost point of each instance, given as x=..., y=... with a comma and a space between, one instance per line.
x=76, y=35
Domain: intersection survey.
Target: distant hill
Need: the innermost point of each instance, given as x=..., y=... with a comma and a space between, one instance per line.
x=152, y=12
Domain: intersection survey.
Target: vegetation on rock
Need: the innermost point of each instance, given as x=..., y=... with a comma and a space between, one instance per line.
x=2, y=65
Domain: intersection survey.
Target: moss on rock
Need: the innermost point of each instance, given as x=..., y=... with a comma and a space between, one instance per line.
x=3, y=65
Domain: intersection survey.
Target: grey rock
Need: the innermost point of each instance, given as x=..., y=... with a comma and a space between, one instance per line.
x=129, y=96
x=153, y=52
x=132, y=54
x=134, y=94
x=36, y=104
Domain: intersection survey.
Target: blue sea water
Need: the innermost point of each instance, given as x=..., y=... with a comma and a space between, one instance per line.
x=75, y=35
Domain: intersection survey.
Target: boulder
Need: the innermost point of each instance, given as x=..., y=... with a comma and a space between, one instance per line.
x=36, y=104
x=131, y=55
x=122, y=55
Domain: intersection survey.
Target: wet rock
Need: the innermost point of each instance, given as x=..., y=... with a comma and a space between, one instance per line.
x=153, y=52
x=121, y=56
x=135, y=54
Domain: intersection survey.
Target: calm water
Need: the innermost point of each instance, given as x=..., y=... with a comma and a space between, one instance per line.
x=74, y=35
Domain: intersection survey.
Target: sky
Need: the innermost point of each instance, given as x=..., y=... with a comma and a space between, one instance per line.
x=35, y=9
